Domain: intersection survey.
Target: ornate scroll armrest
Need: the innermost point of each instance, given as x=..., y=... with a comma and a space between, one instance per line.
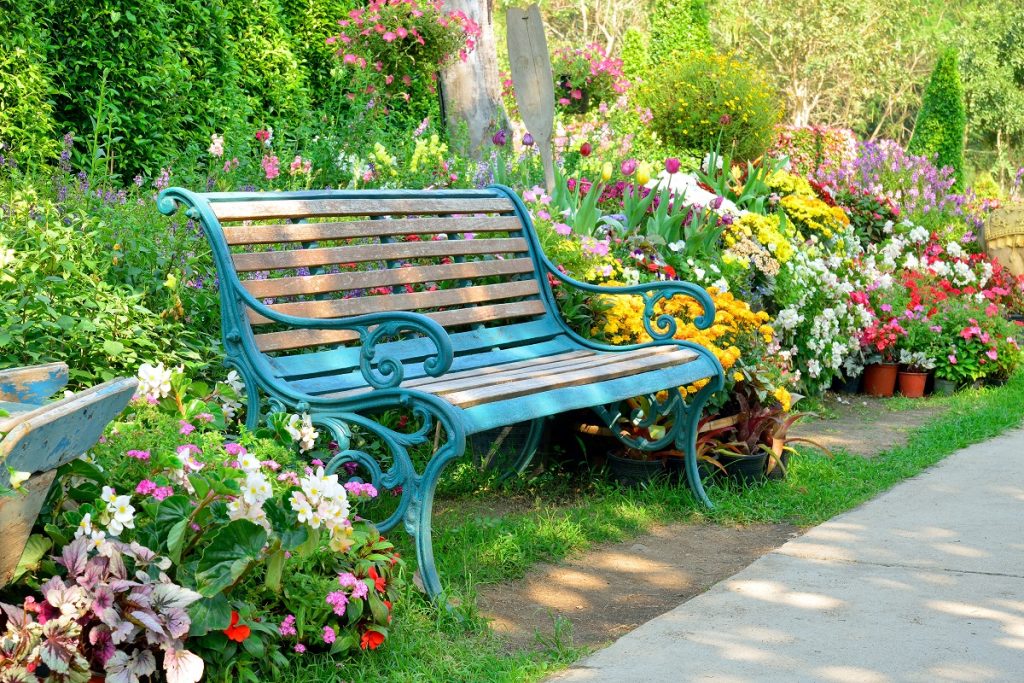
x=662, y=327
x=380, y=370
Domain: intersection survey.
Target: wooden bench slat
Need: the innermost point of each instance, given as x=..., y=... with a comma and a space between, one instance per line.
x=394, y=251
x=504, y=375
x=613, y=369
x=314, y=232
x=410, y=275
x=460, y=296
x=298, y=339
x=269, y=208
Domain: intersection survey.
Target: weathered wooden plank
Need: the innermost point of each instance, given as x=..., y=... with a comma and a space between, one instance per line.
x=461, y=296
x=297, y=258
x=297, y=339
x=317, y=232
x=270, y=209
x=367, y=279
x=536, y=385
x=539, y=368
x=16, y=412
x=58, y=432
x=33, y=384
x=17, y=515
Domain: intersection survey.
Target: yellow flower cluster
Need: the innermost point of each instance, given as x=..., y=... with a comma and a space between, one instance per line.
x=765, y=229
x=621, y=322
x=428, y=153
x=384, y=162
x=786, y=183
x=783, y=396
x=814, y=215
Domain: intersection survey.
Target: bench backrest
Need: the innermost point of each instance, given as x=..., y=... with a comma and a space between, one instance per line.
x=465, y=258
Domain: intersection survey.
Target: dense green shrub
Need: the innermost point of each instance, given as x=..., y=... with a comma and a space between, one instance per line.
x=939, y=129
x=120, y=80
x=270, y=76
x=635, y=56
x=311, y=22
x=26, y=115
x=103, y=283
x=678, y=26
x=700, y=98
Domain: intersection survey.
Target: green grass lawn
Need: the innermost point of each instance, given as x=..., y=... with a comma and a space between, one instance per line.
x=432, y=644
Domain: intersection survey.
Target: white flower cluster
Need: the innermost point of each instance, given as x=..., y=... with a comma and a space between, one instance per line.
x=255, y=492
x=230, y=404
x=154, y=381
x=300, y=428
x=322, y=501
x=121, y=514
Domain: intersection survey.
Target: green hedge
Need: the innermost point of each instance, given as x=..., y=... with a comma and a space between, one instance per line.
x=27, y=127
x=677, y=27
x=940, y=126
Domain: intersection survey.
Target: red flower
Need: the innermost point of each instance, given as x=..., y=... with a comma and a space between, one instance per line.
x=371, y=640
x=378, y=581
x=235, y=631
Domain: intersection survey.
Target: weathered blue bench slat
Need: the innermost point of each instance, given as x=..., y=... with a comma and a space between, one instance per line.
x=344, y=304
x=40, y=438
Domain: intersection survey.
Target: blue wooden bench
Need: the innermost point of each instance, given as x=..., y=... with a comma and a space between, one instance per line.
x=38, y=437
x=345, y=304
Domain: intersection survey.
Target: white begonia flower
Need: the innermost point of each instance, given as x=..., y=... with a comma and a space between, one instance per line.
x=919, y=235
x=108, y=494
x=911, y=262
x=677, y=246
x=887, y=228
x=84, y=526
x=122, y=511
x=954, y=249
x=301, y=429
x=154, y=381
x=249, y=462
x=98, y=540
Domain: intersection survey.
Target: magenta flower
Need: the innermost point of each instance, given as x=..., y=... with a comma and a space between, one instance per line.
x=300, y=648
x=528, y=140
x=186, y=427
x=952, y=359
x=329, y=635
x=992, y=354
x=563, y=229
x=145, y=487
x=672, y=165
x=138, y=455
x=338, y=600
x=287, y=627
x=162, y=492
x=628, y=166
x=500, y=138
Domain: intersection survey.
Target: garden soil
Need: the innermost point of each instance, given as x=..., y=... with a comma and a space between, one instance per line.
x=598, y=596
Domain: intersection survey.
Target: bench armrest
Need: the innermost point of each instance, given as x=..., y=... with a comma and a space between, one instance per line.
x=661, y=328
x=380, y=370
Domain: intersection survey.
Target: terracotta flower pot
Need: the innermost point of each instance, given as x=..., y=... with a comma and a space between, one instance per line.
x=880, y=379
x=912, y=383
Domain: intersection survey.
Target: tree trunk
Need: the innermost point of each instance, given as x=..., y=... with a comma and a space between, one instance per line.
x=470, y=90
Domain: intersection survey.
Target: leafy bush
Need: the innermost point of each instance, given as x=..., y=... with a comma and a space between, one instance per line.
x=700, y=98
x=82, y=280
x=810, y=148
x=635, y=53
x=939, y=129
x=678, y=26
x=26, y=116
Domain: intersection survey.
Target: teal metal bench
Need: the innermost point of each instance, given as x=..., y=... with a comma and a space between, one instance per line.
x=346, y=304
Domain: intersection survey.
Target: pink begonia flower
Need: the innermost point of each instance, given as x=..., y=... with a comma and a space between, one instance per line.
x=952, y=359
x=145, y=487
x=992, y=354
x=186, y=427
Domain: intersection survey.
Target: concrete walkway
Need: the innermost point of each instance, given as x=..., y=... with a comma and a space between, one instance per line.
x=924, y=583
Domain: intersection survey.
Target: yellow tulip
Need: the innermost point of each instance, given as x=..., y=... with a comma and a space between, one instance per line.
x=643, y=173
x=606, y=171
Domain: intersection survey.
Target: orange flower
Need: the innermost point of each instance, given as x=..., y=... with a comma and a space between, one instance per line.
x=378, y=581
x=235, y=631
x=371, y=640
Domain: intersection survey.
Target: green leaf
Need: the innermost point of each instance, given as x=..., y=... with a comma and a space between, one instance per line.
x=35, y=550
x=233, y=549
x=54, y=532
x=378, y=608
x=275, y=567
x=176, y=540
x=113, y=348
x=209, y=614
x=285, y=522
x=254, y=646
x=200, y=484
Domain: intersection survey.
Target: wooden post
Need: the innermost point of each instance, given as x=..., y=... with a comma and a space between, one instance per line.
x=531, y=75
